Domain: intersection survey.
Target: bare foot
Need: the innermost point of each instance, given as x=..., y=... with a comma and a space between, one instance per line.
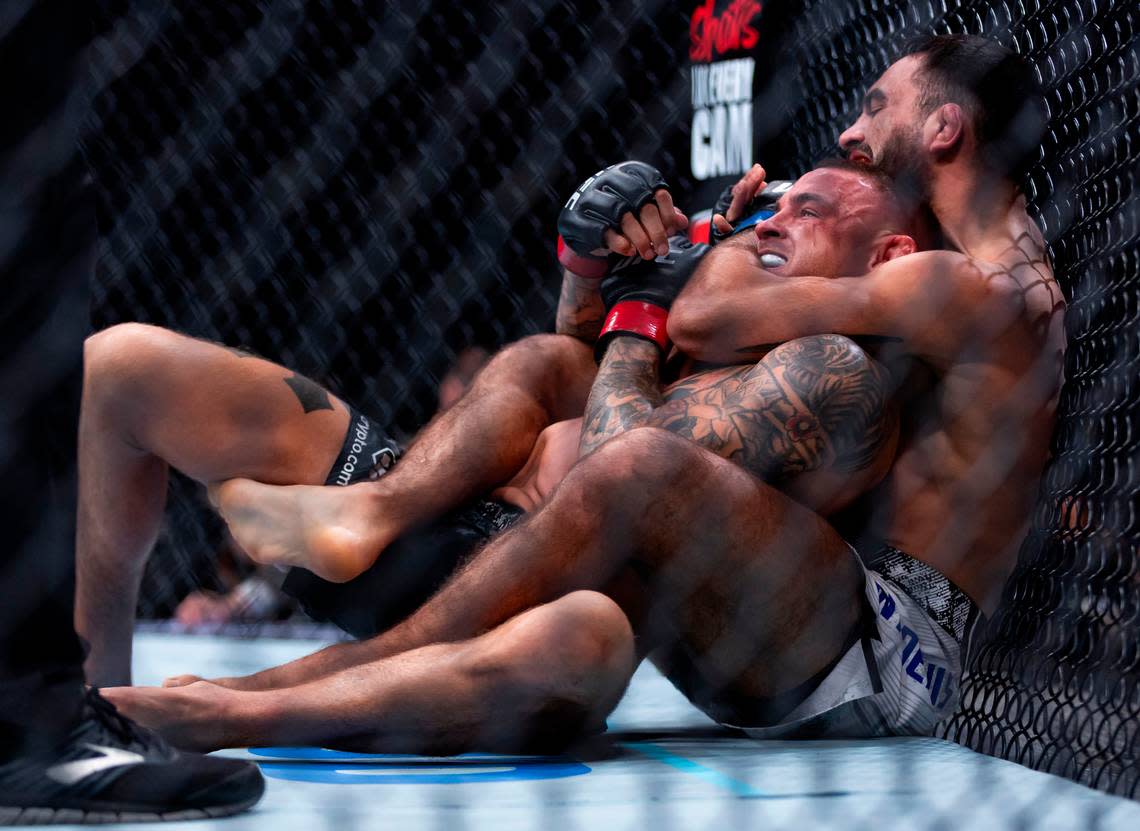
x=332, y=531
x=191, y=717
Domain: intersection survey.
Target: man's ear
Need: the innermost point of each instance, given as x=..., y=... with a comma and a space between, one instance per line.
x=948, y=123
x=892, y=247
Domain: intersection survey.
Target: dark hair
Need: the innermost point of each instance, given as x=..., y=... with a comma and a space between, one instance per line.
x=997, y=88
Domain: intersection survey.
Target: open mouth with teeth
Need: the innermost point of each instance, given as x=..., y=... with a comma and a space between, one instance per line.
x=770, y=260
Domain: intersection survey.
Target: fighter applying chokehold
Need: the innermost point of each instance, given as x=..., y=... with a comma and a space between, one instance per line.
x=752, y=603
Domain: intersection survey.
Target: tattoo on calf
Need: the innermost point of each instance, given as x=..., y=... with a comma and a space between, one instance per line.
x=312, y=396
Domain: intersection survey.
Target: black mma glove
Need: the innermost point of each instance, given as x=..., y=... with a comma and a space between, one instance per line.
x=762, y=206
x=597, y=205
x=638, y=294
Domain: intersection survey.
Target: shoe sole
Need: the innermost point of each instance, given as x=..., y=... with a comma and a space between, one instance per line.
x=72, y=816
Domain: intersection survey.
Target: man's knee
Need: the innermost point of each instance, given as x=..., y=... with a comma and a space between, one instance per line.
x=590, y=635
x=123, y=354
x=564, y=667
x=553, y=367
x=648, y=460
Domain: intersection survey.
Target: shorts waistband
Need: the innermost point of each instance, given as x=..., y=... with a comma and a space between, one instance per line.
x=490, y=517
x=367, y=453
x=945, y=603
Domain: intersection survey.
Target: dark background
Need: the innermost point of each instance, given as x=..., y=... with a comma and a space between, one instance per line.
x=361, y=190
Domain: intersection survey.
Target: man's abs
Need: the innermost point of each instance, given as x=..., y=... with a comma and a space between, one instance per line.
x=961, y=491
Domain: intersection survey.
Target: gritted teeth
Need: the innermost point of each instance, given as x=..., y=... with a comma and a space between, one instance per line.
x=772, y=260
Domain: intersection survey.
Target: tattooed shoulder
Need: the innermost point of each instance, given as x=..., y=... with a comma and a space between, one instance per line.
x=810, y=404
x=845, y=391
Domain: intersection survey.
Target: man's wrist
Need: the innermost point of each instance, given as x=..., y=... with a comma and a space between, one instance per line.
x=584, y=267
x=640, y=319
x=632, y=346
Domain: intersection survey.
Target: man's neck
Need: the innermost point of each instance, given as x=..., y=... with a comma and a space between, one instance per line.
x=973, y=207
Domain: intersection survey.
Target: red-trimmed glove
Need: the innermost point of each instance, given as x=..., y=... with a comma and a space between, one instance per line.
x=639, y=294
x=597, y=206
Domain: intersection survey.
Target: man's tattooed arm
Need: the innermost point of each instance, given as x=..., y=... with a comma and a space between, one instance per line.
x=581, y=311
x=812, y=403
x=625, y=392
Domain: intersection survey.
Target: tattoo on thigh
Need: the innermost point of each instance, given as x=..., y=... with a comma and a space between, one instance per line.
x=312, y=396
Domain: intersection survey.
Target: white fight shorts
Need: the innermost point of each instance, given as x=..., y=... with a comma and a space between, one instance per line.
x=901, y=677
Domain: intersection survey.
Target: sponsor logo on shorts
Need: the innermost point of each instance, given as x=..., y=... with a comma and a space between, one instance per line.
x=377, y=462
x=937, y=680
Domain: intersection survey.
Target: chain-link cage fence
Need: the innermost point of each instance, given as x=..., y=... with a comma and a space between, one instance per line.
x=361, y=191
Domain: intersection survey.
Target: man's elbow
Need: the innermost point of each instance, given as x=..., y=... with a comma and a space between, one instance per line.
x=691, y=331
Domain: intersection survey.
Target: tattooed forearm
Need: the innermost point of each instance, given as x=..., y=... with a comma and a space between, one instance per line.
x=752, y=419
x=624, y=394
x=812, y=403
x=581, y=311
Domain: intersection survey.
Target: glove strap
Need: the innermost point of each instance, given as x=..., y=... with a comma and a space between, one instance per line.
x=592, y=268
x=637, y=318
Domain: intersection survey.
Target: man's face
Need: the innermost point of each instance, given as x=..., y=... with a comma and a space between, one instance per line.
x=888, y=132
x=829, y=224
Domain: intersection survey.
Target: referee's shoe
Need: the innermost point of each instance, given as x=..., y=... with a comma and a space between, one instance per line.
x=110, y=769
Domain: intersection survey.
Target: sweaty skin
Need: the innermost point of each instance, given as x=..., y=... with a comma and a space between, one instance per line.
x=844, y=226
x=749, y=579
x=706, y=547
x=154, y=400
x=985, y=319
x=748, y=414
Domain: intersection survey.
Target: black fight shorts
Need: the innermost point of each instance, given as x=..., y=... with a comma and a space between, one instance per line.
x=410, y=570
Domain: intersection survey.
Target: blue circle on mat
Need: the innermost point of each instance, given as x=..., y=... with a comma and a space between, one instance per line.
x=320, y=765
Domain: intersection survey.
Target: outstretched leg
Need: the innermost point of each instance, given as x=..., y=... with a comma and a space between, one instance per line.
x=466, y=452
x=763, y=588
x=691, y=547
x=531, y=685
x=153, y=399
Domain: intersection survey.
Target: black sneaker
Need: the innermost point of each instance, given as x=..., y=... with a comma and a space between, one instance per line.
x=112, y=770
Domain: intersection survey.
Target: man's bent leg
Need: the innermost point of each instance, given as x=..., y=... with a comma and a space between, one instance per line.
x=467, y=451
x=531, y=685
x=724, y=558
x=153, y=399
x=733, y=561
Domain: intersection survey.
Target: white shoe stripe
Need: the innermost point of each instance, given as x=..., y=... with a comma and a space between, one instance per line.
x=68, y=773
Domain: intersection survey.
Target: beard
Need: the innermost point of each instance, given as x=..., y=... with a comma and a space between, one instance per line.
x=901, y=159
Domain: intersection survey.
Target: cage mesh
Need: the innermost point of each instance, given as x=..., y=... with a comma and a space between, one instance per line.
x=360, y=191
